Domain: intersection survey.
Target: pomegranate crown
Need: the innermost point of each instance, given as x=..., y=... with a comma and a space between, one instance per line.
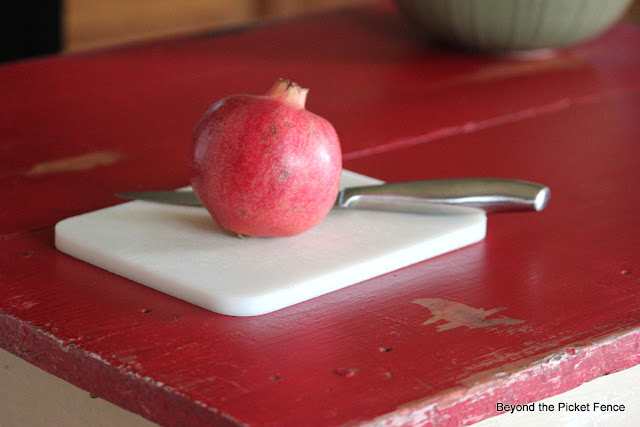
x=289, y=92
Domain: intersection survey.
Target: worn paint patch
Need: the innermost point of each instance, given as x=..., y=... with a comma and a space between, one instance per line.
x=74, y=164
x=456, y=314
x=527, y=66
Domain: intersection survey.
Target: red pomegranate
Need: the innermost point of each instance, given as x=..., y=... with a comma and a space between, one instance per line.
x=263, y=165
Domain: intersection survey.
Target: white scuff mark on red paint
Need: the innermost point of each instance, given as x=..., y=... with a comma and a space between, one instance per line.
x=456, y=314
x=76, y=163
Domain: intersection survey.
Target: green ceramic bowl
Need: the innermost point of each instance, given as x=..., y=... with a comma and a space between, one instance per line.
x=513, y=25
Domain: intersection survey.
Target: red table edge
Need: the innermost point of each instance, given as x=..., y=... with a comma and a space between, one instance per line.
x=522, y=382
x=516, y=383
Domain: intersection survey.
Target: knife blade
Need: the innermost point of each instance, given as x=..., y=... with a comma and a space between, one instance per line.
x=456, y=195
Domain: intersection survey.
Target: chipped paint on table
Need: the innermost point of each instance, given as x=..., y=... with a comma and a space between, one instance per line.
x=82, y=162
x=456, y=314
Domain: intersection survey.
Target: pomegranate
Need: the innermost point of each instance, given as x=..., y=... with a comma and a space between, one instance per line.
x=263, y=165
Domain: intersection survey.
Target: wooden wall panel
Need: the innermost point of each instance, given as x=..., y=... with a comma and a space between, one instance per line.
x=91, y=24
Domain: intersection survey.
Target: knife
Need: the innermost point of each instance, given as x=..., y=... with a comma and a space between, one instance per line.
x=457, y=195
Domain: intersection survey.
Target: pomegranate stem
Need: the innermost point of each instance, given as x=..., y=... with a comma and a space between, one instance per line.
x=289, y=92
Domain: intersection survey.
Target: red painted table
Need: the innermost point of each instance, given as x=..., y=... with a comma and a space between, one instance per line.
x=76, y=129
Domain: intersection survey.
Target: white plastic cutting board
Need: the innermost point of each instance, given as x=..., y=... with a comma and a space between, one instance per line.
x=180, y=251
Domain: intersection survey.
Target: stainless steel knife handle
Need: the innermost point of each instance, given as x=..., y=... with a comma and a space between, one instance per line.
x=487, y=194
